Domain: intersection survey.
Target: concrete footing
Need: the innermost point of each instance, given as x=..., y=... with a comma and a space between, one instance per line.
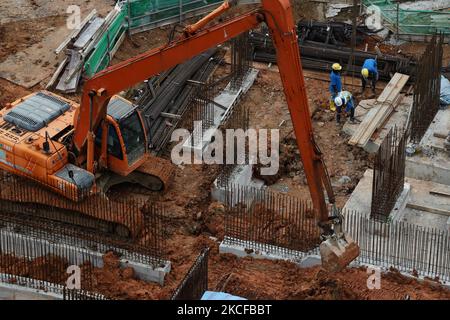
x=10, y=291
x=76, y=255
x=431, y=161
x=415, y=205
x=303, y=259
x=242, y=175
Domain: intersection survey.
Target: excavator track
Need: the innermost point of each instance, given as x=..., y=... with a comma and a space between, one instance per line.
x=155, y=174
x=96, y=213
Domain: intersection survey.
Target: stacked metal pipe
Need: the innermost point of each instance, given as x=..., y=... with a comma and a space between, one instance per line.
x=320, y=56
x=164, y=106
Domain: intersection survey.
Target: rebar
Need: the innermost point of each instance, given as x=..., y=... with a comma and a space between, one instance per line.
x=31, y=209
x=427, y=88
x=265, y=221
x=240, y=60
x=388, y=174
x=195, y=283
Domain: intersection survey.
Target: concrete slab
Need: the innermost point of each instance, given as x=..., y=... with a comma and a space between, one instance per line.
x=398, y=118
x=431, y=162
x=15, y=292
x=432, y=167
x=418, y=197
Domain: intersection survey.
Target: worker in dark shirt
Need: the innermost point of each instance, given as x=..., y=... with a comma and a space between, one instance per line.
x=369, y=71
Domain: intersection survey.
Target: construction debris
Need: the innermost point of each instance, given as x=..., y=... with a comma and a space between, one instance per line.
x=78, y=47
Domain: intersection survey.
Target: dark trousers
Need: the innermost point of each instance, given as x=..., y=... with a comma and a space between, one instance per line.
x=339, y=111
x=373, y=79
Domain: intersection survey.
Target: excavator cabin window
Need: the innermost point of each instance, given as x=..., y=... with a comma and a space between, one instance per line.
x=114, y=147
x=133, y=137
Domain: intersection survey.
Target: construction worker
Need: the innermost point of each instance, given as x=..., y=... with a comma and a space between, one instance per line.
x=335, y=83
x=344, y=100
x=369, y=71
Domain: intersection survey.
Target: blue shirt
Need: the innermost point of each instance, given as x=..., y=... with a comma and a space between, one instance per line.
x=371, y=65
x=335, y=83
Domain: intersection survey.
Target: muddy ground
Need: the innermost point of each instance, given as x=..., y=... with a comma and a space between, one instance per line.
x=193, y=221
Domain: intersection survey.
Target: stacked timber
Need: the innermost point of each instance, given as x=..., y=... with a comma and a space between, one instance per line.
x=380, y=111
x=77, y=48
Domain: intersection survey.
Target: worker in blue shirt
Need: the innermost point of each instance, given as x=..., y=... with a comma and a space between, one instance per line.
x=335, y=83
x=344, y=100
x=369, y=71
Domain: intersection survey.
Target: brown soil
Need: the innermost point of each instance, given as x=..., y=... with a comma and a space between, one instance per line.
x=10, y=92
x=18, y=35
x=192, y=218
x=261, y=279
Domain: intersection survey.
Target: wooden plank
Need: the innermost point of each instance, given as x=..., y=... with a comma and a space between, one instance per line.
x=381, y=118
x=428, y=209
x=440, y=193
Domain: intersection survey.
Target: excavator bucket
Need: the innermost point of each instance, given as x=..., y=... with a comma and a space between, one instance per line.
x=337, y=253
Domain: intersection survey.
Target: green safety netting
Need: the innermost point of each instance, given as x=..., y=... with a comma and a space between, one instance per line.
x=144, y=12
x=135, y=14
x=417, y=22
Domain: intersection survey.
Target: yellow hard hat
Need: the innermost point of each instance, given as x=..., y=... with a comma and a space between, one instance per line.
x=336, y=67
x=365, y=72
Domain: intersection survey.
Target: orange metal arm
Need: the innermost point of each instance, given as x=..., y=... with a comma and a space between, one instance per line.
x=278, y=16
x=121, y=76
x=193, y=28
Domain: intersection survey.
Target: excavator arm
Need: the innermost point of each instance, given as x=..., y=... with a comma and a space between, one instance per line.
x=338, y=248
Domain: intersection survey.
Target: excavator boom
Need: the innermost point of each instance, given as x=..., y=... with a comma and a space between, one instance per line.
x=338, y=249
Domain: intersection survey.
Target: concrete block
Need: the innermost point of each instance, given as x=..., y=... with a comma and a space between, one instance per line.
x=14, y=292
x=434, y=168
x=232, y=246
x=398, y=212
x=242, y=175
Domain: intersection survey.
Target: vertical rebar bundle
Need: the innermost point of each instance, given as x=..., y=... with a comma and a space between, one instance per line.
x=388, y=174
x=427, y=88
x=195, y=283
x=240, y=59
x=239, y=118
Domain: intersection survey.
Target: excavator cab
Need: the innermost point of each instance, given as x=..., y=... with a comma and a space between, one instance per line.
x=126, y=137
x=127, y=157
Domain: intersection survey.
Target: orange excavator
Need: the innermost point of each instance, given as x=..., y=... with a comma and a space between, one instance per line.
x=65, y=147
